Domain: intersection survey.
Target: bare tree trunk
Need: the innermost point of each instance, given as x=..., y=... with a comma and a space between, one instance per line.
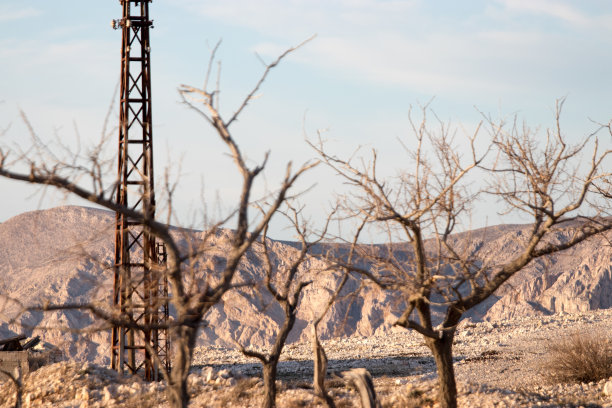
x=184, y=343
x=320, y=369
x=361, y=379
x=442, y=350
x=270, y=366
x=269, y=380
x=270, y=363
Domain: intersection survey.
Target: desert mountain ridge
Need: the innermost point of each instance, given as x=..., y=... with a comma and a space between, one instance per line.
x=65, y=254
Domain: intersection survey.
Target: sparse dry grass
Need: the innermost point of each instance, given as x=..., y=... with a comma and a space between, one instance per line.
x=410, y=397
x=238, y=395
x=579, y=357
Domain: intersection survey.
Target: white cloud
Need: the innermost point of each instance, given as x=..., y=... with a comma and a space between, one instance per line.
x=299, y=19
x=550, y=8
x=386, y=42
x=491, y=50
x=433, y=64
x=12, y=12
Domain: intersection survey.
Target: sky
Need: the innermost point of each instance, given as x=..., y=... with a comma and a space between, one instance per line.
x=371, y=60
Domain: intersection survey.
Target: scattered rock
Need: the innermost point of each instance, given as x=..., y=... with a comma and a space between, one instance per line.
x=607, y=389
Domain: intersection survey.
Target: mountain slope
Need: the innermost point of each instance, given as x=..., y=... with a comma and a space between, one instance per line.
x=65, y=255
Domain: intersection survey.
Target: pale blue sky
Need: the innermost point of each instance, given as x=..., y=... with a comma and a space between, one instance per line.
x=370, y=61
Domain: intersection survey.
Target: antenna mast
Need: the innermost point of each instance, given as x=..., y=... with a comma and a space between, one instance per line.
x=140, y=289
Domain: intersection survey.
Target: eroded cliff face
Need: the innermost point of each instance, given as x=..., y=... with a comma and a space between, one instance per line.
x=577, y=280
x=65, y=255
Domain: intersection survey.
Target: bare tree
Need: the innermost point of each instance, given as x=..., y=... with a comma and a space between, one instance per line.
x=285, y=282
x=440, y=278
x=190, y=298
x=319, y=356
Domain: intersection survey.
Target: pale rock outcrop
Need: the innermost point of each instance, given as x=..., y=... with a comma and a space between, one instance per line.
x=65, y=255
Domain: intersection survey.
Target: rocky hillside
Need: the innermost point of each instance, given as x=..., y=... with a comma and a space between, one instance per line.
x=64, y=255
x=496, y=365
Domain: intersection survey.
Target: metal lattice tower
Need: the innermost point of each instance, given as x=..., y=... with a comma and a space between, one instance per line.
x=140, y=287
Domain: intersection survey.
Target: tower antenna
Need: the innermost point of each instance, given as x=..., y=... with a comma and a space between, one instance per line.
x=140, y=288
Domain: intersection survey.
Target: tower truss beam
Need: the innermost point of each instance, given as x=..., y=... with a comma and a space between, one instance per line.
x=140, y=288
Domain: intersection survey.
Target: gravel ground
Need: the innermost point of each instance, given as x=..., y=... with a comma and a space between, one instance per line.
x=497, y=365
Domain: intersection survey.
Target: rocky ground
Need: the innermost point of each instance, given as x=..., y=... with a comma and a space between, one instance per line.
x=497, y=365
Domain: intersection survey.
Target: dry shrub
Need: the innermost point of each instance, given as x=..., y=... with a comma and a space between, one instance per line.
x=147, y=400
x=335, y=383
x=580, y=357
x=407, y=400
x=37, y=359
x=408, y=396
x=245, y=387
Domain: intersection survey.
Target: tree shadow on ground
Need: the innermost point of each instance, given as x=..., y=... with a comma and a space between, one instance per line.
x=393, y=366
